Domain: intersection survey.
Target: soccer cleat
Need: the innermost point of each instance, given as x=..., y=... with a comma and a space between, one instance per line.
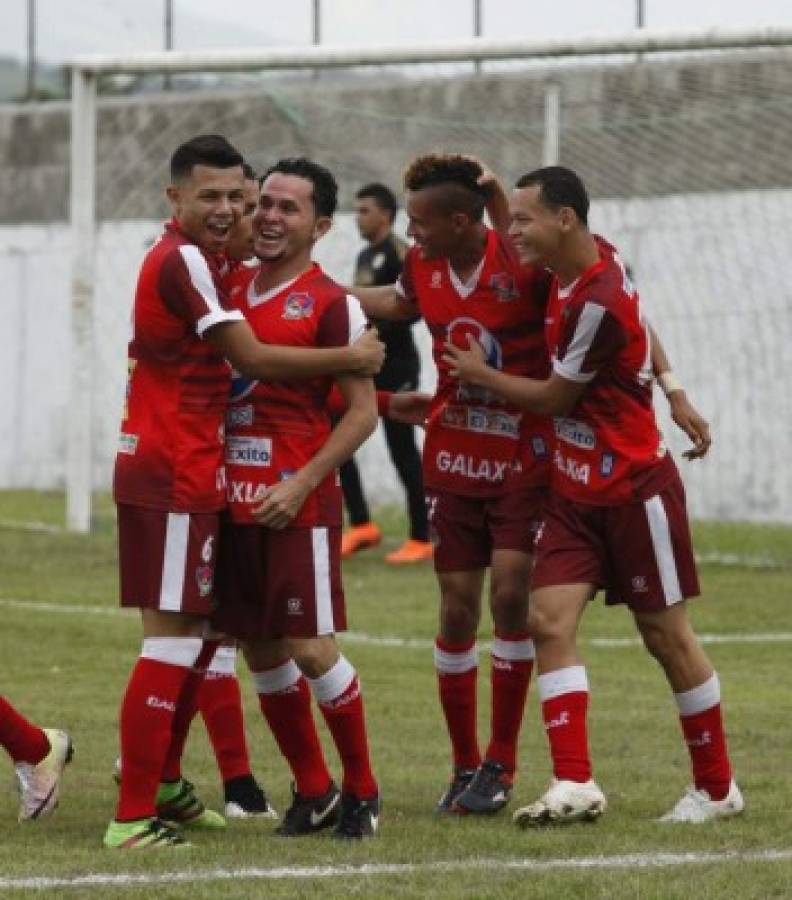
x=244, y=799
x=39, y=783
x=358, y=819
x=410, y=552
x=697, y=806
x=488, y=791
x=307, y=815
x=459, y=783
x=142, y=834
x=178, y=804
x=359, y=537
x=564, y=801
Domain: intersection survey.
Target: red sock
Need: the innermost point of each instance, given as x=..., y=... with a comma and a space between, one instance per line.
x=457, y=673
x=512, y=663
x=147, y=714
x=24, y=741
x=186, y=711
x=702, y=725
x=220, y=703
x=564, y=694
x=339, y=697
x=285, y=700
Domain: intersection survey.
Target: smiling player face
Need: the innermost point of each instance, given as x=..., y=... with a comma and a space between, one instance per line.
x=285, y=225
x=208, y=205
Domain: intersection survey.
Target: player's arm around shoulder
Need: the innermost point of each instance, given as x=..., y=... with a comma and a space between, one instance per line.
x=385, y=302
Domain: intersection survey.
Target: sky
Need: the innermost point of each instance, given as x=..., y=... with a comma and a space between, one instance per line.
x=124, y=26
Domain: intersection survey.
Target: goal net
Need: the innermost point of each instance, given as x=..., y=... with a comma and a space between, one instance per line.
x=684, y=145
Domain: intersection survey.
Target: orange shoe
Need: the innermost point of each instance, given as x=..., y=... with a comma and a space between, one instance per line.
x=410, y=552
x=359, y=537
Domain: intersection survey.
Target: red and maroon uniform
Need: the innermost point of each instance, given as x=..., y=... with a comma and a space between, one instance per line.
x=169, y=478
x=273, y=429
x=479, y=449
x=617, y=517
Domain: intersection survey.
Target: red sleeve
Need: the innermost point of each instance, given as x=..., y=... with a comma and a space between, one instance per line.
x=341, y=323
x=591, y=337
x=190, y=288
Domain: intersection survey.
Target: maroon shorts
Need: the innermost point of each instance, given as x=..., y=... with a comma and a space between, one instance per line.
x=274, y=584
x=641, y=553
x=466, y=530
x=167, y=559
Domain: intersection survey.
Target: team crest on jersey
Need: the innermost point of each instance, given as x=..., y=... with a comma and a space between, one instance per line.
x=504, y=286
x=203, y=577
x=298, y=306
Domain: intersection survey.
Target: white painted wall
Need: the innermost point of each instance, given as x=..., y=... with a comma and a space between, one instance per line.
x=714, y=273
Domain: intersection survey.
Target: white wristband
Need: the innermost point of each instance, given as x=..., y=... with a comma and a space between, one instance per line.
x=669, y=382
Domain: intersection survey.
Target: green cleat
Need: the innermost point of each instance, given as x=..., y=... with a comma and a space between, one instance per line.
x=141, y=834
x=178, y=804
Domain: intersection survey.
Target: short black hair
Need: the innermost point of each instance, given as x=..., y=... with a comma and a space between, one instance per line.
x=204, y=150
x=457, y=175
x=325, y=188
x=559, y=186
x=249, y=172
x=382, y=195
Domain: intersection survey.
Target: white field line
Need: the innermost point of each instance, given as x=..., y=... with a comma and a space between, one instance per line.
x=731, y=560
x=357, y=637
x=368, y=870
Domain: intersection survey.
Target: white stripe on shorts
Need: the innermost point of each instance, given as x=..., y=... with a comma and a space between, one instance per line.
x=663, y=549
x=177, y=534
x=322, y=589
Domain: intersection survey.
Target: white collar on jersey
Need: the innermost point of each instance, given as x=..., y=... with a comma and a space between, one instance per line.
x=255, y=299
x=466, y=288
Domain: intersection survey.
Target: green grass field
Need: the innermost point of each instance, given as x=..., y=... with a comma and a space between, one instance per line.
x=68, y=668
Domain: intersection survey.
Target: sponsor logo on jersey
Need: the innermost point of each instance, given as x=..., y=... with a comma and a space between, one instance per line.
x=639, y=584
x=240, y=386
x=128, y=443
x=298, y=306
x=286, y=474
x=491, y=470
x=248, y=451
x=294, y=606
x=576, y=433
x=245, y=492
x=457, y=334
x=606, y=465
x=239, y=416
x=481, y=420
x=571, y=468
x=539, y=445
x=504, y=286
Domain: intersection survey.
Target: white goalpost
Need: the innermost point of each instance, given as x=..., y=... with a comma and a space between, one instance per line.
x=86, y=72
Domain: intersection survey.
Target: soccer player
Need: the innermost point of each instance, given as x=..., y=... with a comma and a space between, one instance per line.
x=616, y=518
x=380, y=263
x=169, y=481
x=39, y=756
x=279, y=573
x=485, y=463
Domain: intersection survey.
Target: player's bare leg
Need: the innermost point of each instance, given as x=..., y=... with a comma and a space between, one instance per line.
x=669, y=637
x=554, y=614
x=511, y=666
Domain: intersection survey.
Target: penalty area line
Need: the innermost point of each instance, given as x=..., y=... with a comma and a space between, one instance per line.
x=371, y=870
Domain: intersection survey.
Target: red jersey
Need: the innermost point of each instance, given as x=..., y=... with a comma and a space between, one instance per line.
x=476, y=444
x=608, y=449
x=170, y=453
x=275, y=427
